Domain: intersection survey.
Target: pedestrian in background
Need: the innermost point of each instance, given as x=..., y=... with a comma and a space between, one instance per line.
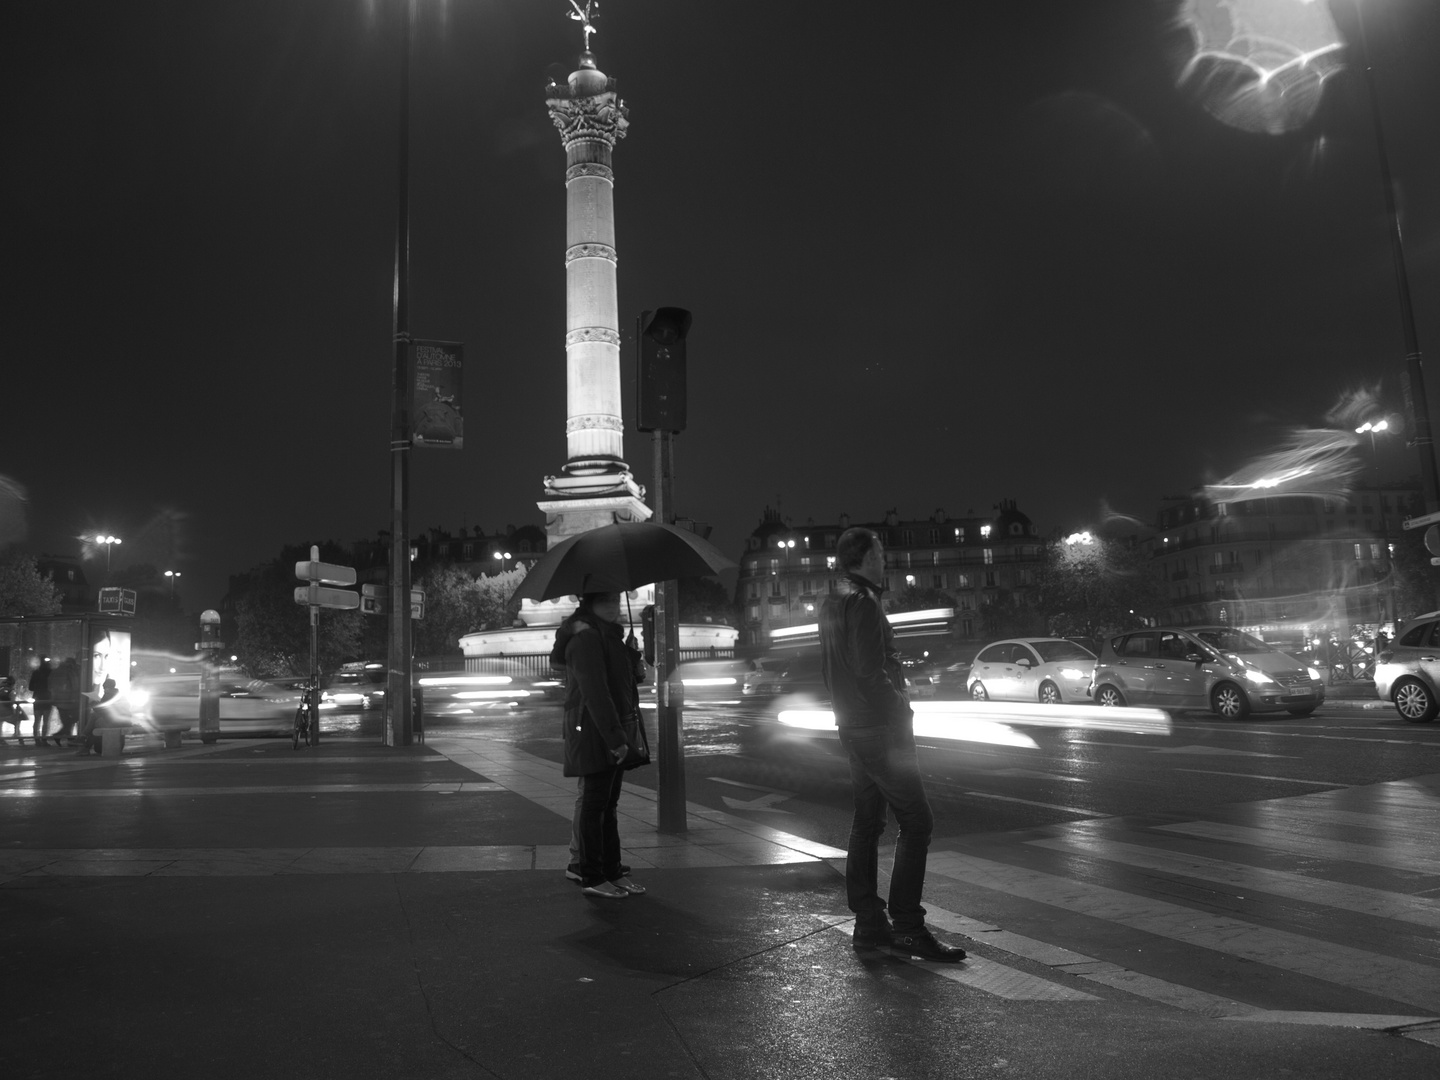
x=601, y=725
x=65, y=692
x=877, y=729
x=11, y=713
x=40, y=700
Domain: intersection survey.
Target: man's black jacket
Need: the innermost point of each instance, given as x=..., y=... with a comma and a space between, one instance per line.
x=861, y=664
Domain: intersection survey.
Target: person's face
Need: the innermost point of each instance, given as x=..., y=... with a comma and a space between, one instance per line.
x=607, y=607
x=100, y=660
x=872, y=567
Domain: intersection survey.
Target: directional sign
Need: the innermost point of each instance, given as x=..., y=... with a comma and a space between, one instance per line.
x=328, y=598
x=328, y=573
x=1435, y=562
x=1423, y=519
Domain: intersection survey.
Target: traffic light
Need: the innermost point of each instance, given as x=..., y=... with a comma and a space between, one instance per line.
x=647, y=627
x=660, y=373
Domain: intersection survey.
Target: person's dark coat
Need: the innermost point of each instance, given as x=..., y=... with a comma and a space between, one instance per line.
x=860, y=661
x=40, y=681
x=600, y=692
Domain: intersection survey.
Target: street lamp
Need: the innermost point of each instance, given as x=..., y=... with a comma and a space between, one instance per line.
x=1370, y=428
x=109, y=542
x=502, y=556
x=173, y=575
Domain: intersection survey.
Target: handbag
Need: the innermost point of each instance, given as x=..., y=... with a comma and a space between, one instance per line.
x=638, y=753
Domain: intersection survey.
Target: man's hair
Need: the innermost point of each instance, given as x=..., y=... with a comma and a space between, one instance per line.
x=854, y=545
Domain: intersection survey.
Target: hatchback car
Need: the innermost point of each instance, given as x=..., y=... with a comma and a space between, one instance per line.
x=1205, y=667
x=1407, y=671
x=1050, y=670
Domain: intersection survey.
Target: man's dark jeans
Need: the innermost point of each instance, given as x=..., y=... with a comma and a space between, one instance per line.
x=599, y=827
x=884, y=771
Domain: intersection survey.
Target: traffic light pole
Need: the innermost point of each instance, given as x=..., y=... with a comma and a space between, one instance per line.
x=669, y=708
x=398, y=665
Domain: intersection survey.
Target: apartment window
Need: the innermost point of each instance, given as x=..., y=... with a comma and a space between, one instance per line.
x=907, y=538
x=990, y=579
x=959, y=534
x=984, y=532
x=774, y=565
x=934, y=536
x=805, y=563
x=829, y=562
x=807, y=587
x=934, y=558
x=468, y=551
x=1359, y=552
x=962, y=581
x=967, y=627
x=1374, y=551
x=775, y=587
x=830, y=585
x=938, y=581
x=1221, y=510
x=989, y=557
x=754, y=590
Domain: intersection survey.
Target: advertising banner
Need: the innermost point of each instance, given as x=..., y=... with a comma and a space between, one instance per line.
x=436, y=378
x=109, y=674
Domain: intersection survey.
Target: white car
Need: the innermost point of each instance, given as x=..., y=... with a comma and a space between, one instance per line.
x=1049, y=670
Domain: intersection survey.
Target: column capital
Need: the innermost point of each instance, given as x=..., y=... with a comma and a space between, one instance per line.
x=600, y=117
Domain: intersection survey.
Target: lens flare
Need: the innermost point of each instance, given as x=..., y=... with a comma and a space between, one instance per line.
x=1311, y=461
x=1260, y=65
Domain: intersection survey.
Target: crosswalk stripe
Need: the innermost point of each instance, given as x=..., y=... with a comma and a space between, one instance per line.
x=981, y=974
x=1358, y=898
x=1397, y=856
x=1384, y=976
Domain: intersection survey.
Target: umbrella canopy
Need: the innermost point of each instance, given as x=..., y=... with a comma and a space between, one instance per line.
x=618, y=558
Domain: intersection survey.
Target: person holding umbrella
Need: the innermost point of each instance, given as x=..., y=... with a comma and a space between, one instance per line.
x=601, y=726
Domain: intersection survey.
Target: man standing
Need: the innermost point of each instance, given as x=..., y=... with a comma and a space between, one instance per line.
x=40, y=695
x=867, y=688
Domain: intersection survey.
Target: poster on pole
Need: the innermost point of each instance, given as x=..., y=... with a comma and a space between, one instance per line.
x=436, y=379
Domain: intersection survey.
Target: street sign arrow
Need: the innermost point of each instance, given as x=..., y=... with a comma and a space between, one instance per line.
x=1423, y=519
x=328, y=573
x=320, y=596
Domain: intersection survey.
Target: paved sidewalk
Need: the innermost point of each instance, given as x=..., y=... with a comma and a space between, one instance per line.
x=245, y=910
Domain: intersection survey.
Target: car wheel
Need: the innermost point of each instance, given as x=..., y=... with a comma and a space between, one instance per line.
x=1414, y=701
x=1109, y=697
x=1229, y=701
x=1301, y=712
x=978, y=692
x=1049, y=694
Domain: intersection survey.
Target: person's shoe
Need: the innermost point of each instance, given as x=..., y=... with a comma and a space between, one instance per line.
x=923, y=944
x=872, y=934
x=629, y=886
x=608, y=889
x=572, y=873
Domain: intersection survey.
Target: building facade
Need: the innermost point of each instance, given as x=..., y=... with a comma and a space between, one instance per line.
x=1286, y=565
x=786, y=571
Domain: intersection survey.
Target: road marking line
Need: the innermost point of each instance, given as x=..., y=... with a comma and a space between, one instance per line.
x=1379, y=903
x=463, y=787
x=1257, y=776
x=1032, y=802
x=1197, y=748
x=1384, y=976
x=978, y=973
x=1390, y=855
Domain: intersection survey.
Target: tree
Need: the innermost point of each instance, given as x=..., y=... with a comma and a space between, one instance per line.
x=1094, y=587
x=1006, y=615
x=24, y=590
x=1415, y=581
x=457, y=604
x=272, y=631
x=706, y=600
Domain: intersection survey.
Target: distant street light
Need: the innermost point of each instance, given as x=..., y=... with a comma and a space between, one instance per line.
x=502, y=556
x=173, y=575
x=109, y=542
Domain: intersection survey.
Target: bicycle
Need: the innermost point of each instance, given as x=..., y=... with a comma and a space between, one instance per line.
x=309, y=700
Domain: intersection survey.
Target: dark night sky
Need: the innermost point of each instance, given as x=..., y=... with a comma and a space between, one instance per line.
x=939, y=254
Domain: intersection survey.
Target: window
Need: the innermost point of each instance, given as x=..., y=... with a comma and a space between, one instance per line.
x=1359, y=553
x=805, y=563
x=934, y=558
x=996, y=654
x=775, y=589
x=989, y=556
x=1138, y=645
x=959, y=534
x=990, y=579
x=1374, y=551
x=468, y=551
x=984, y=532
x=962, y=581
x=934, y=536
x=829, y=562
x=967, y=627
x=754, y=590
x=907, y=538
x=938, y=581
x=807, y=587
x=774, y=564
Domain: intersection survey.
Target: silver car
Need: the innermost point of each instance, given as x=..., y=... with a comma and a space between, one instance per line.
x=1049, y=670
x=1205, y=667
x=1407, y=671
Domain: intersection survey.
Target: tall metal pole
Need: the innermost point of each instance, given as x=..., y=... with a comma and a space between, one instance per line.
x=397, y=693
x=1416, y=403
x=669, y=703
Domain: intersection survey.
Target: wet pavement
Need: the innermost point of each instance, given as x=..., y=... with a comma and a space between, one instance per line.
x=244, y=910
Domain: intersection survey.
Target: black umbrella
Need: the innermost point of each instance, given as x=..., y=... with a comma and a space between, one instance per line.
x=618, y=558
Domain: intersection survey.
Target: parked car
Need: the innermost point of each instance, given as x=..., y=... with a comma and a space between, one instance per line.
x=247, y=706
x=1049, y=670
x=1205, y=667
x=1407, y=671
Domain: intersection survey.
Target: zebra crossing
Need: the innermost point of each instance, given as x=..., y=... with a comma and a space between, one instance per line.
x=1314, y=908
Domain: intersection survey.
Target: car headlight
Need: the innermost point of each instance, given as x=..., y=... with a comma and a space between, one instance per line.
x=1259, y=678
x=137, y=699
x=1314, y=674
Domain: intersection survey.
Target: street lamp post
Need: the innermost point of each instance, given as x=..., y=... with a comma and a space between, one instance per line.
x=108, y=542
x=173, y=575
x=1370, y=428
x=502, y=556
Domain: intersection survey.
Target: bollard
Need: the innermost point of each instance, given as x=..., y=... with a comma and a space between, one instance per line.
x=209, y=684
x=417, y=715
